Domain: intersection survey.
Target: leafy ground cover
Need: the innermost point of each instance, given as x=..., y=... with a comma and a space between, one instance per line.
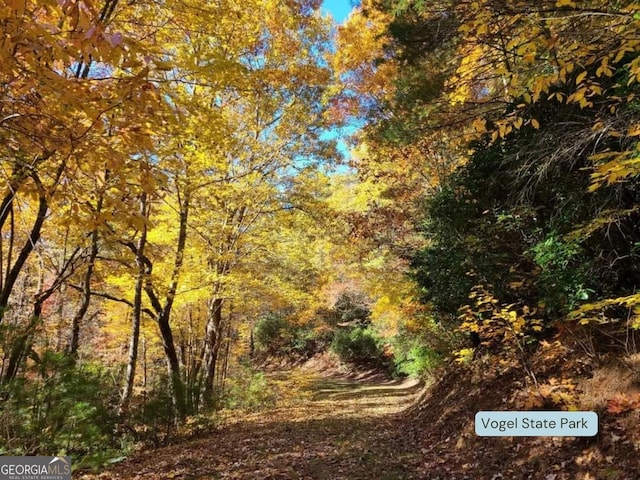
x=347, y=426
x=326, y=428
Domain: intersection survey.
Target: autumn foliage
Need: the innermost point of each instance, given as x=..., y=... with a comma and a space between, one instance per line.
x=502, y=139
x=172, y=199
x=159, y=172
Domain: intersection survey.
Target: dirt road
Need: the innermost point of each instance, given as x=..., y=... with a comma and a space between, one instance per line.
x=327, y=429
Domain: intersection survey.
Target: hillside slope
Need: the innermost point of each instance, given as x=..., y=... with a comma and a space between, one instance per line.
x=443, y=420
x=335, y=427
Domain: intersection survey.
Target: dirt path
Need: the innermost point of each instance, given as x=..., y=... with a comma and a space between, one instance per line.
x=328, y=428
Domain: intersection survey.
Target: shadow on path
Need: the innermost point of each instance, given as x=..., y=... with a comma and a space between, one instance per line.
x=345, y=430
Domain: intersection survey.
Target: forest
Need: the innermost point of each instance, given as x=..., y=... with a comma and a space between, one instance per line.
x=211, y=211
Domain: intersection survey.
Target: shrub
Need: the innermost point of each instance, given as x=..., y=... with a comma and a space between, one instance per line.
x=248, y=390
x=153, y=415
x=308, y=341
x=415, y=359
x=359, y=346
x=274, y=335
x=353, y=307
x=271, y=334
x=424, y=342
x=60, y=408
x=564, y=273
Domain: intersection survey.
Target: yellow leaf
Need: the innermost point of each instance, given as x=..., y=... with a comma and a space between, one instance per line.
x=581, y=77
x=578, y=95
x=163, y=66
x=535, y=124
x=480, y=125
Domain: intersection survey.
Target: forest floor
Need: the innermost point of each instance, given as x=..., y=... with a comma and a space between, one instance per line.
x=326, y=427
x=341, y=427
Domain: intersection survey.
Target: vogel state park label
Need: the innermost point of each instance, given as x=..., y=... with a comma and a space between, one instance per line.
x=536, y=424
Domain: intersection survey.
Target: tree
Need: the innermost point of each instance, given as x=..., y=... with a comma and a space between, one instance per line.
x=512, y=127
x=148, y=153
x=57, y=119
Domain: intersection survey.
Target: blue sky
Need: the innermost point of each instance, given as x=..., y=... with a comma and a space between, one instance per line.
x=339, y=9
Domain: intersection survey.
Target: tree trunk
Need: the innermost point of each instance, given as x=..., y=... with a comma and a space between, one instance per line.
x=27, y=248
x=173, y=367
x=213, y=336
x=164, y=313
x=21, y=344
x=137, y=308
x=222, y=374
x=74, y=343
x=193, y=359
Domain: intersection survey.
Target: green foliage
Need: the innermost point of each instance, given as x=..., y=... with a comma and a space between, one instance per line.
x=416, y=359
x=275, y=335
x=359, y=346
x=472, y=227
x=271, y=333
x=60, y=408
x=564, y=273
x=552, y=252
x=544, y=212
x=441, y=273
x=248, y=389
x=307, y=341
x=153, y=415
x=506, y=219
x=422, y=345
